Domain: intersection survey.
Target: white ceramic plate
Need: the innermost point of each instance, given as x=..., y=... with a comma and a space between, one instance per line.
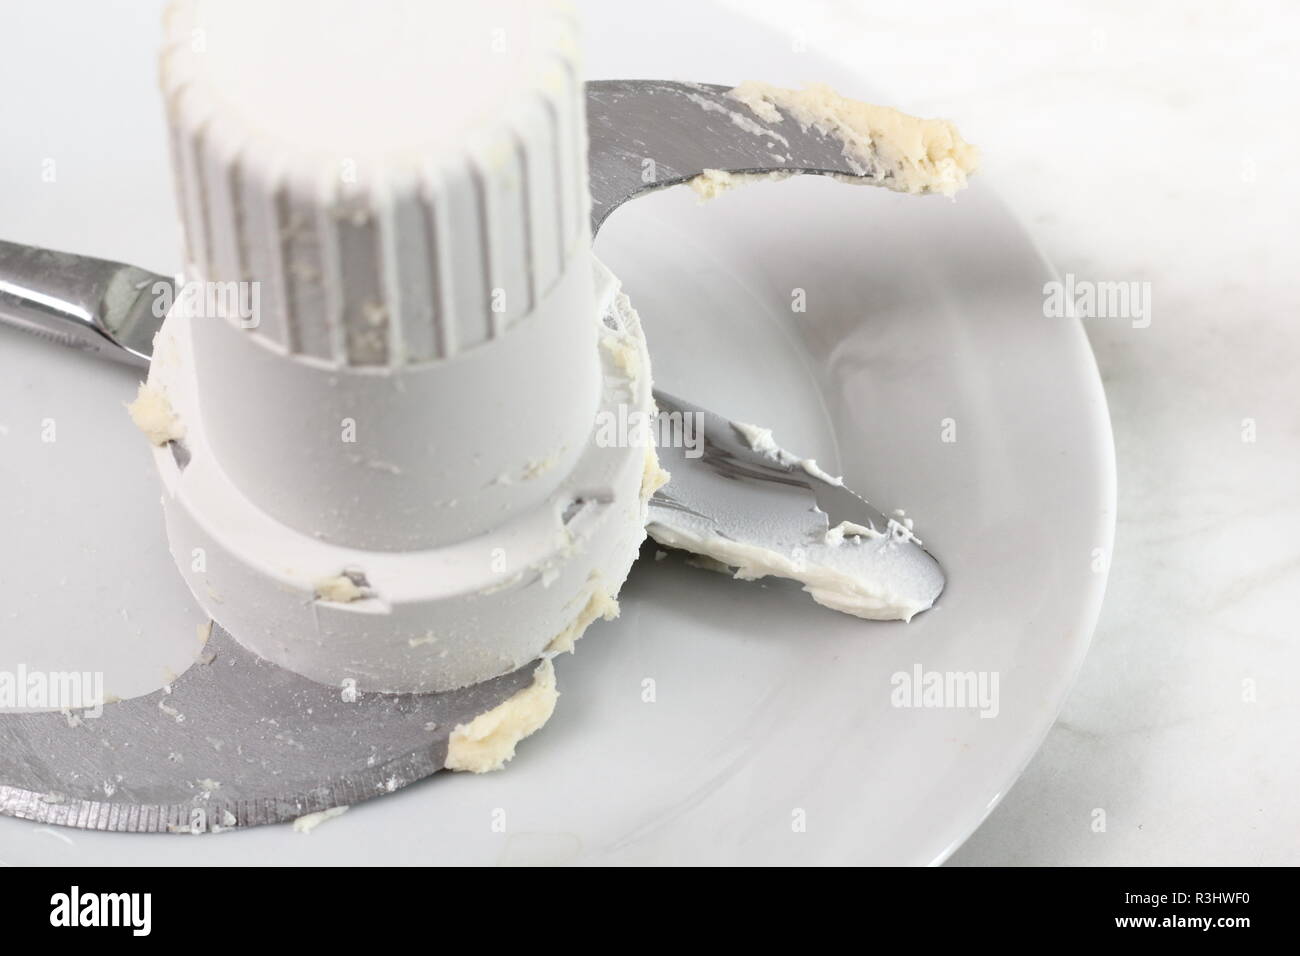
x=771, y=737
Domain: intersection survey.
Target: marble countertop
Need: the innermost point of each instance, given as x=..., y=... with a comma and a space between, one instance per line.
x=1146, y=143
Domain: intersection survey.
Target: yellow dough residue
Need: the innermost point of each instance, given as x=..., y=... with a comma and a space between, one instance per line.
x=310, y=821
x=600, y=604
x=488, y=741
x=624, y=354
x=653, y=477
x=153, y=415
x=712, y=183
x=341, y=589
x=902, y=152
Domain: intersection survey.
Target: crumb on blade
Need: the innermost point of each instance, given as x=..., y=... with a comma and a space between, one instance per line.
x=340, y=589
x=712, y=183
x=153, y=414
x=488, y=742
x=879, y=145
x=600, y=604
x=310, y=821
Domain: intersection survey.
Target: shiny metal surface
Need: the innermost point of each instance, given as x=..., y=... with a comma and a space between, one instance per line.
x=93, y=305
x=651, y=134
x=772, y=503
x=233, y=742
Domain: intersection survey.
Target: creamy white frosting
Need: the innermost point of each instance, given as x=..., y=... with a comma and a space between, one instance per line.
x=310, y=821
x=842, y=570
x=488, y=741
x=835, y=587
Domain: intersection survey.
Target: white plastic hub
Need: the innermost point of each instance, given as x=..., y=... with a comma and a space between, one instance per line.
x=415, y=406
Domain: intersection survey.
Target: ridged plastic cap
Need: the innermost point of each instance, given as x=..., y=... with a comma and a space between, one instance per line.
x=397, y=203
